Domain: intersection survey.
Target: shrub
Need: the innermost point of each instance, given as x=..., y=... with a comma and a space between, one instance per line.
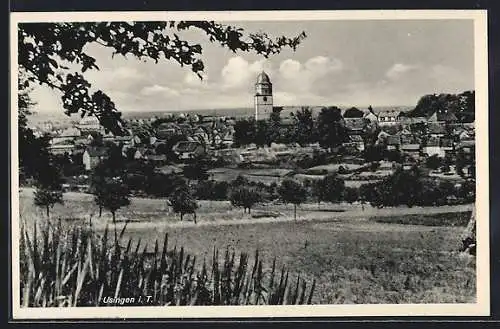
x=351, y=194
x=211, y=190
x=77, y=267
x=183, y=202
x=245, y=196
x=293, y=192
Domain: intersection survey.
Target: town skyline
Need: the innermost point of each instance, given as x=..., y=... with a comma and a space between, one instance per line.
x=379, y=63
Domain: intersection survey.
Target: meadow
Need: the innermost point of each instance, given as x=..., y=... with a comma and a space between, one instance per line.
x=355, y=256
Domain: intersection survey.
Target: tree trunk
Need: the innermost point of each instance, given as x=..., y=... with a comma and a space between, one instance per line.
x=249, y=210
x=294, y=212
x=182, y=215
x=114, y=218
x=47, y=208
x=100, y=211
x=194, y=217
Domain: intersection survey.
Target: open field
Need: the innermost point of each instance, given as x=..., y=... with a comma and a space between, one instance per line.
x=354, y=257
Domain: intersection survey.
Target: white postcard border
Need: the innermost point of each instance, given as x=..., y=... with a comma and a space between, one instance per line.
x=480, y=308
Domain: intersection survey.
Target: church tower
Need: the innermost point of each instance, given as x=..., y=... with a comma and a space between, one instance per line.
x=263, y=98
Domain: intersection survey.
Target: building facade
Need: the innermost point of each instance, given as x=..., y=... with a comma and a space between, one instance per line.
x=263, y=99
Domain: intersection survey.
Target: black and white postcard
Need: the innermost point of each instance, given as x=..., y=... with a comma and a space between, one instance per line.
x=249, y=164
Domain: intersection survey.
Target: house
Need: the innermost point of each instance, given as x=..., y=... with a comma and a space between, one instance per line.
x=90, y=123
x=386, y=118
x=188, y=149
x=382, y=137
x=370, y=116
x=465, y=135
x=136, y=140
x=393, y=142
x=442, y=116
x=93, y=156
x=355, y=125
x=410, y=145
x=217, y=139
x=166, y=133
x=125, y=140
x=467, y=146
x=228, y=137
x=448, y=146
x=156, y=159
x=230, y=155
x=62, y=148
x=435, y=129
x=433, y=147
x=143, y=153
x=167, y=130
x=405, y=133
x=185, y=128
x=65, y=135
x=468, y=149
x=356, y=142
x=168, y=169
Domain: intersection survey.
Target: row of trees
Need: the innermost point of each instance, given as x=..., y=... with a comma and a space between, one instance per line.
x=412, y=188
x=328, y=129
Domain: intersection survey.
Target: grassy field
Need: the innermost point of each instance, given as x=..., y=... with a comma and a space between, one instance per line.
x=444, y=219
x=356, y=257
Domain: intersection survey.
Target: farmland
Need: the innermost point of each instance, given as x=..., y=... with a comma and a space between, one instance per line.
x=356, y=256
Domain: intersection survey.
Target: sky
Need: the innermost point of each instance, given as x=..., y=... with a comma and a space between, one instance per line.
x=343, y=63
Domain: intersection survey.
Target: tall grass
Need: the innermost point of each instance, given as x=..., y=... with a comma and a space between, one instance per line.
x=64, y=267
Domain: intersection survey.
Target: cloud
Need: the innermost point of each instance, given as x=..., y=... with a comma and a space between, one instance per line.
x=321, y=65
x=297, y=77
x=398, y=70
x=238, y=73
x=156, y=90
x=290, y=69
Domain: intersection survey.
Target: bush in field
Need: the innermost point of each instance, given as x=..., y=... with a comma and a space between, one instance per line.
x=333, y=188
x=467, y=190
x=411, y=187
x=47, y=198
x=245, y=196
x=317, y=190
x=211, y=190
x=294, y=192
x=351, y=194
x=374, y=165
x=183, y=202
x=196, y=171
x=108, y=177
x=402, y=187
x=240, y=181
x=113, y=196
x=162, y=185
x=48, y=186
x=76, y=267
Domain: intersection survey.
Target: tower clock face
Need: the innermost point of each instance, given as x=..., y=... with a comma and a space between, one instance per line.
x=265, y=99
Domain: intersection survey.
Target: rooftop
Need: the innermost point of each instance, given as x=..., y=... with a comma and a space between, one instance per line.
x=263, y=78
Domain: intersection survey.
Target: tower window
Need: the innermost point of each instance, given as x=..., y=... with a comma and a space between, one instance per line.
x=265, y=99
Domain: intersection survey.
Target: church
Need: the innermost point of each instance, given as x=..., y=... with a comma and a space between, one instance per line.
x=263, y=99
